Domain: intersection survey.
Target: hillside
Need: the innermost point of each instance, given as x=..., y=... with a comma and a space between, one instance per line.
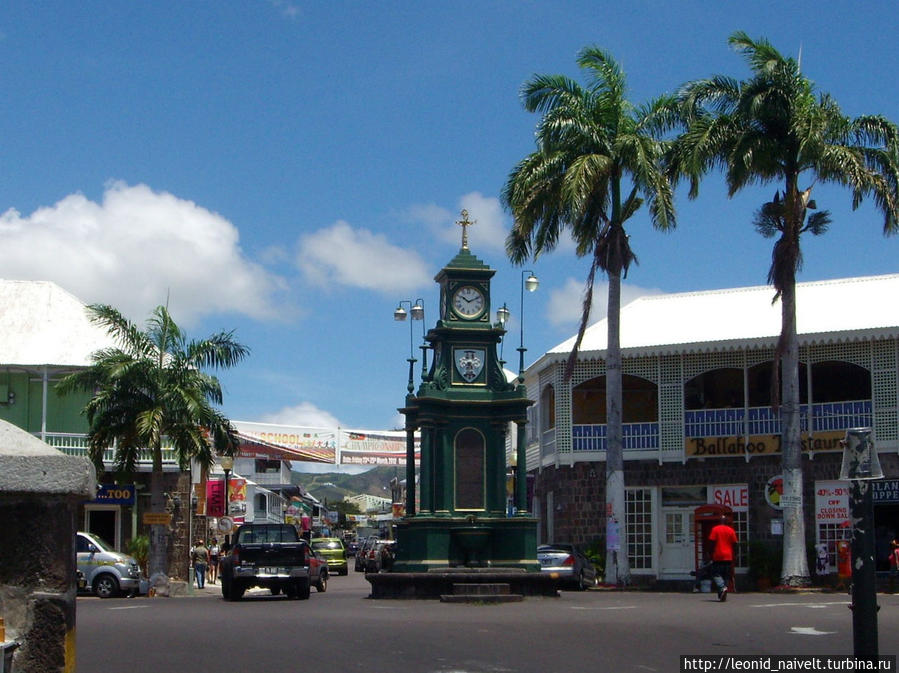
x=335, y=486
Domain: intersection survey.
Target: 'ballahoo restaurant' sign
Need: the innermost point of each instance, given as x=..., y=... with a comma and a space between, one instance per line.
x=758, y=445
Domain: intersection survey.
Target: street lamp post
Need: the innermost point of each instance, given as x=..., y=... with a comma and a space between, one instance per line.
x=531, y=284
x=227, y=463
x=417, y=312
x=860, y=465
x=502, y=317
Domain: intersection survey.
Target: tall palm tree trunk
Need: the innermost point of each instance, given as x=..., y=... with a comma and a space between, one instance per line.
x=159, y=534
x=795, y=565
x=617, y=567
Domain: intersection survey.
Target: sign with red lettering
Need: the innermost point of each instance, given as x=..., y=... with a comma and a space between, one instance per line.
x=831, y=502
x=735, y=496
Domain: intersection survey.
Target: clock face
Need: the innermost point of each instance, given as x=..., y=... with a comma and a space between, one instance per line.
x=468, y=301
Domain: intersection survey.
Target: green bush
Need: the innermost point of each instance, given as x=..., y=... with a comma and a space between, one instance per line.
x=139, y=548
x=595, y=551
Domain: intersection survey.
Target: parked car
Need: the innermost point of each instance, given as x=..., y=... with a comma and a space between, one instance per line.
x=333, y=551
x=274, y=557
x=362, y=553
x=107, y=572
x=568, y=563
x=380, y=556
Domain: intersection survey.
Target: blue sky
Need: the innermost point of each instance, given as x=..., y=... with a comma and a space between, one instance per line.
x=292, y=170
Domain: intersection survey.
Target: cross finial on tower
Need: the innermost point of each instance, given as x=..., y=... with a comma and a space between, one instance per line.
x=465, y=223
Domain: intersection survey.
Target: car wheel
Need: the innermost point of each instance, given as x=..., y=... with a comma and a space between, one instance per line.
x=275, y=590
x=236, y=591
x=322, y=585
x=226, y=588
x=345, y=571
x=106, y=586
x=582, y=582
x=303, y=589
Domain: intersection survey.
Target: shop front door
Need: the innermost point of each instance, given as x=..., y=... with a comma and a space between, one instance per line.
x=677, y=543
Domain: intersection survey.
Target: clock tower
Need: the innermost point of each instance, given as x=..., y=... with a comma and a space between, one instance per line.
x=465, y=410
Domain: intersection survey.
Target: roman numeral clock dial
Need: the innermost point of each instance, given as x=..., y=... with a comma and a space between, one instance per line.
x=468, y=301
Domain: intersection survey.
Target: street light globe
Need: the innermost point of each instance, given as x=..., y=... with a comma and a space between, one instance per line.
x=502, y=315
x=531, y=282
x=399, y=314
x=227, y=462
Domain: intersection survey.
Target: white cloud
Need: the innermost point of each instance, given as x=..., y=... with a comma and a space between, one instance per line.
x=490, y=223
x=566, y=303
x=133, y=250
x=304, y=414
x=359, y=258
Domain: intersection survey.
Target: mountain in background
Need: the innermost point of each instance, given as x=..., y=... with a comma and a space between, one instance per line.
x=335, y=486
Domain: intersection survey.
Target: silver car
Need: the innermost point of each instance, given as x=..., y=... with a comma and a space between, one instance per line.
x=568, y=563
x=107, y=572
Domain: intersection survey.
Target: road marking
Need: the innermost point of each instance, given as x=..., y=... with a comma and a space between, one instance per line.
x=131, y=607
x=610, y=607
x=799, y=605
x=809, y=631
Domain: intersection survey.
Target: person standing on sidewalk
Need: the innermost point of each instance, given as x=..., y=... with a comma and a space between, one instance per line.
x=200, y=558
x=725, y=539
x=214, y=552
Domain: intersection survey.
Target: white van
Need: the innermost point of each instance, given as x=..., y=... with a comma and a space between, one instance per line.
x=106, y=572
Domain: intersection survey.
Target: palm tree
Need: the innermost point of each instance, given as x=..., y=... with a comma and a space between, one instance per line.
x=774, y=127
x=153, y=386
x=597, y=159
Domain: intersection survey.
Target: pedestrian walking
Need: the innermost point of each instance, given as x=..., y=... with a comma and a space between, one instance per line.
x=200, y=558
x=725, y=539
x=214, y=553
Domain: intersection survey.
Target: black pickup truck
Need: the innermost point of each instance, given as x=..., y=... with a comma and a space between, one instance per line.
x=273, y=556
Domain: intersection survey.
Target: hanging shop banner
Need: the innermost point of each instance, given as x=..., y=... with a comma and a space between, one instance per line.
x=362, y=447
x=215, y=498
x=287, y=442
x=758, y=445
x=832, y=502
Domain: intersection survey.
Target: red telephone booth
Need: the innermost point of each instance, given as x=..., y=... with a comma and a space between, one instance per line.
x=706, y=517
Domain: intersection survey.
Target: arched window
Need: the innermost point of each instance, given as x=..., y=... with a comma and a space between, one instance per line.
x=835, y=381
x=716, y=389
x=759, y=380
x=640, y=403
x=470, y=459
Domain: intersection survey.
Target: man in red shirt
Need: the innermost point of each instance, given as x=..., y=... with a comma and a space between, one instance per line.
x=724, y=538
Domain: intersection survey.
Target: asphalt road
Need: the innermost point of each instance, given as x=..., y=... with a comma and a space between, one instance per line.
x=343, y=630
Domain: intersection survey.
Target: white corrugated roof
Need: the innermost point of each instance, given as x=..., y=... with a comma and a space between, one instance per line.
x=826, y=311
x=42, y=324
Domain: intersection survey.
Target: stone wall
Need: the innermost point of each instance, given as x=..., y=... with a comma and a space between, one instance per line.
x=40, y=491
x=579, y=490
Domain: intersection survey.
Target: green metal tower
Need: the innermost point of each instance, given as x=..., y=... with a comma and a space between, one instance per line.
x=464, y=409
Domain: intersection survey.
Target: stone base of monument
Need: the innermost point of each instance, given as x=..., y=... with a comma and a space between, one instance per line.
x=480, y=585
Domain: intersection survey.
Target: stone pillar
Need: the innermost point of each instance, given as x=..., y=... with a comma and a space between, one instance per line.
x=40, y=490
